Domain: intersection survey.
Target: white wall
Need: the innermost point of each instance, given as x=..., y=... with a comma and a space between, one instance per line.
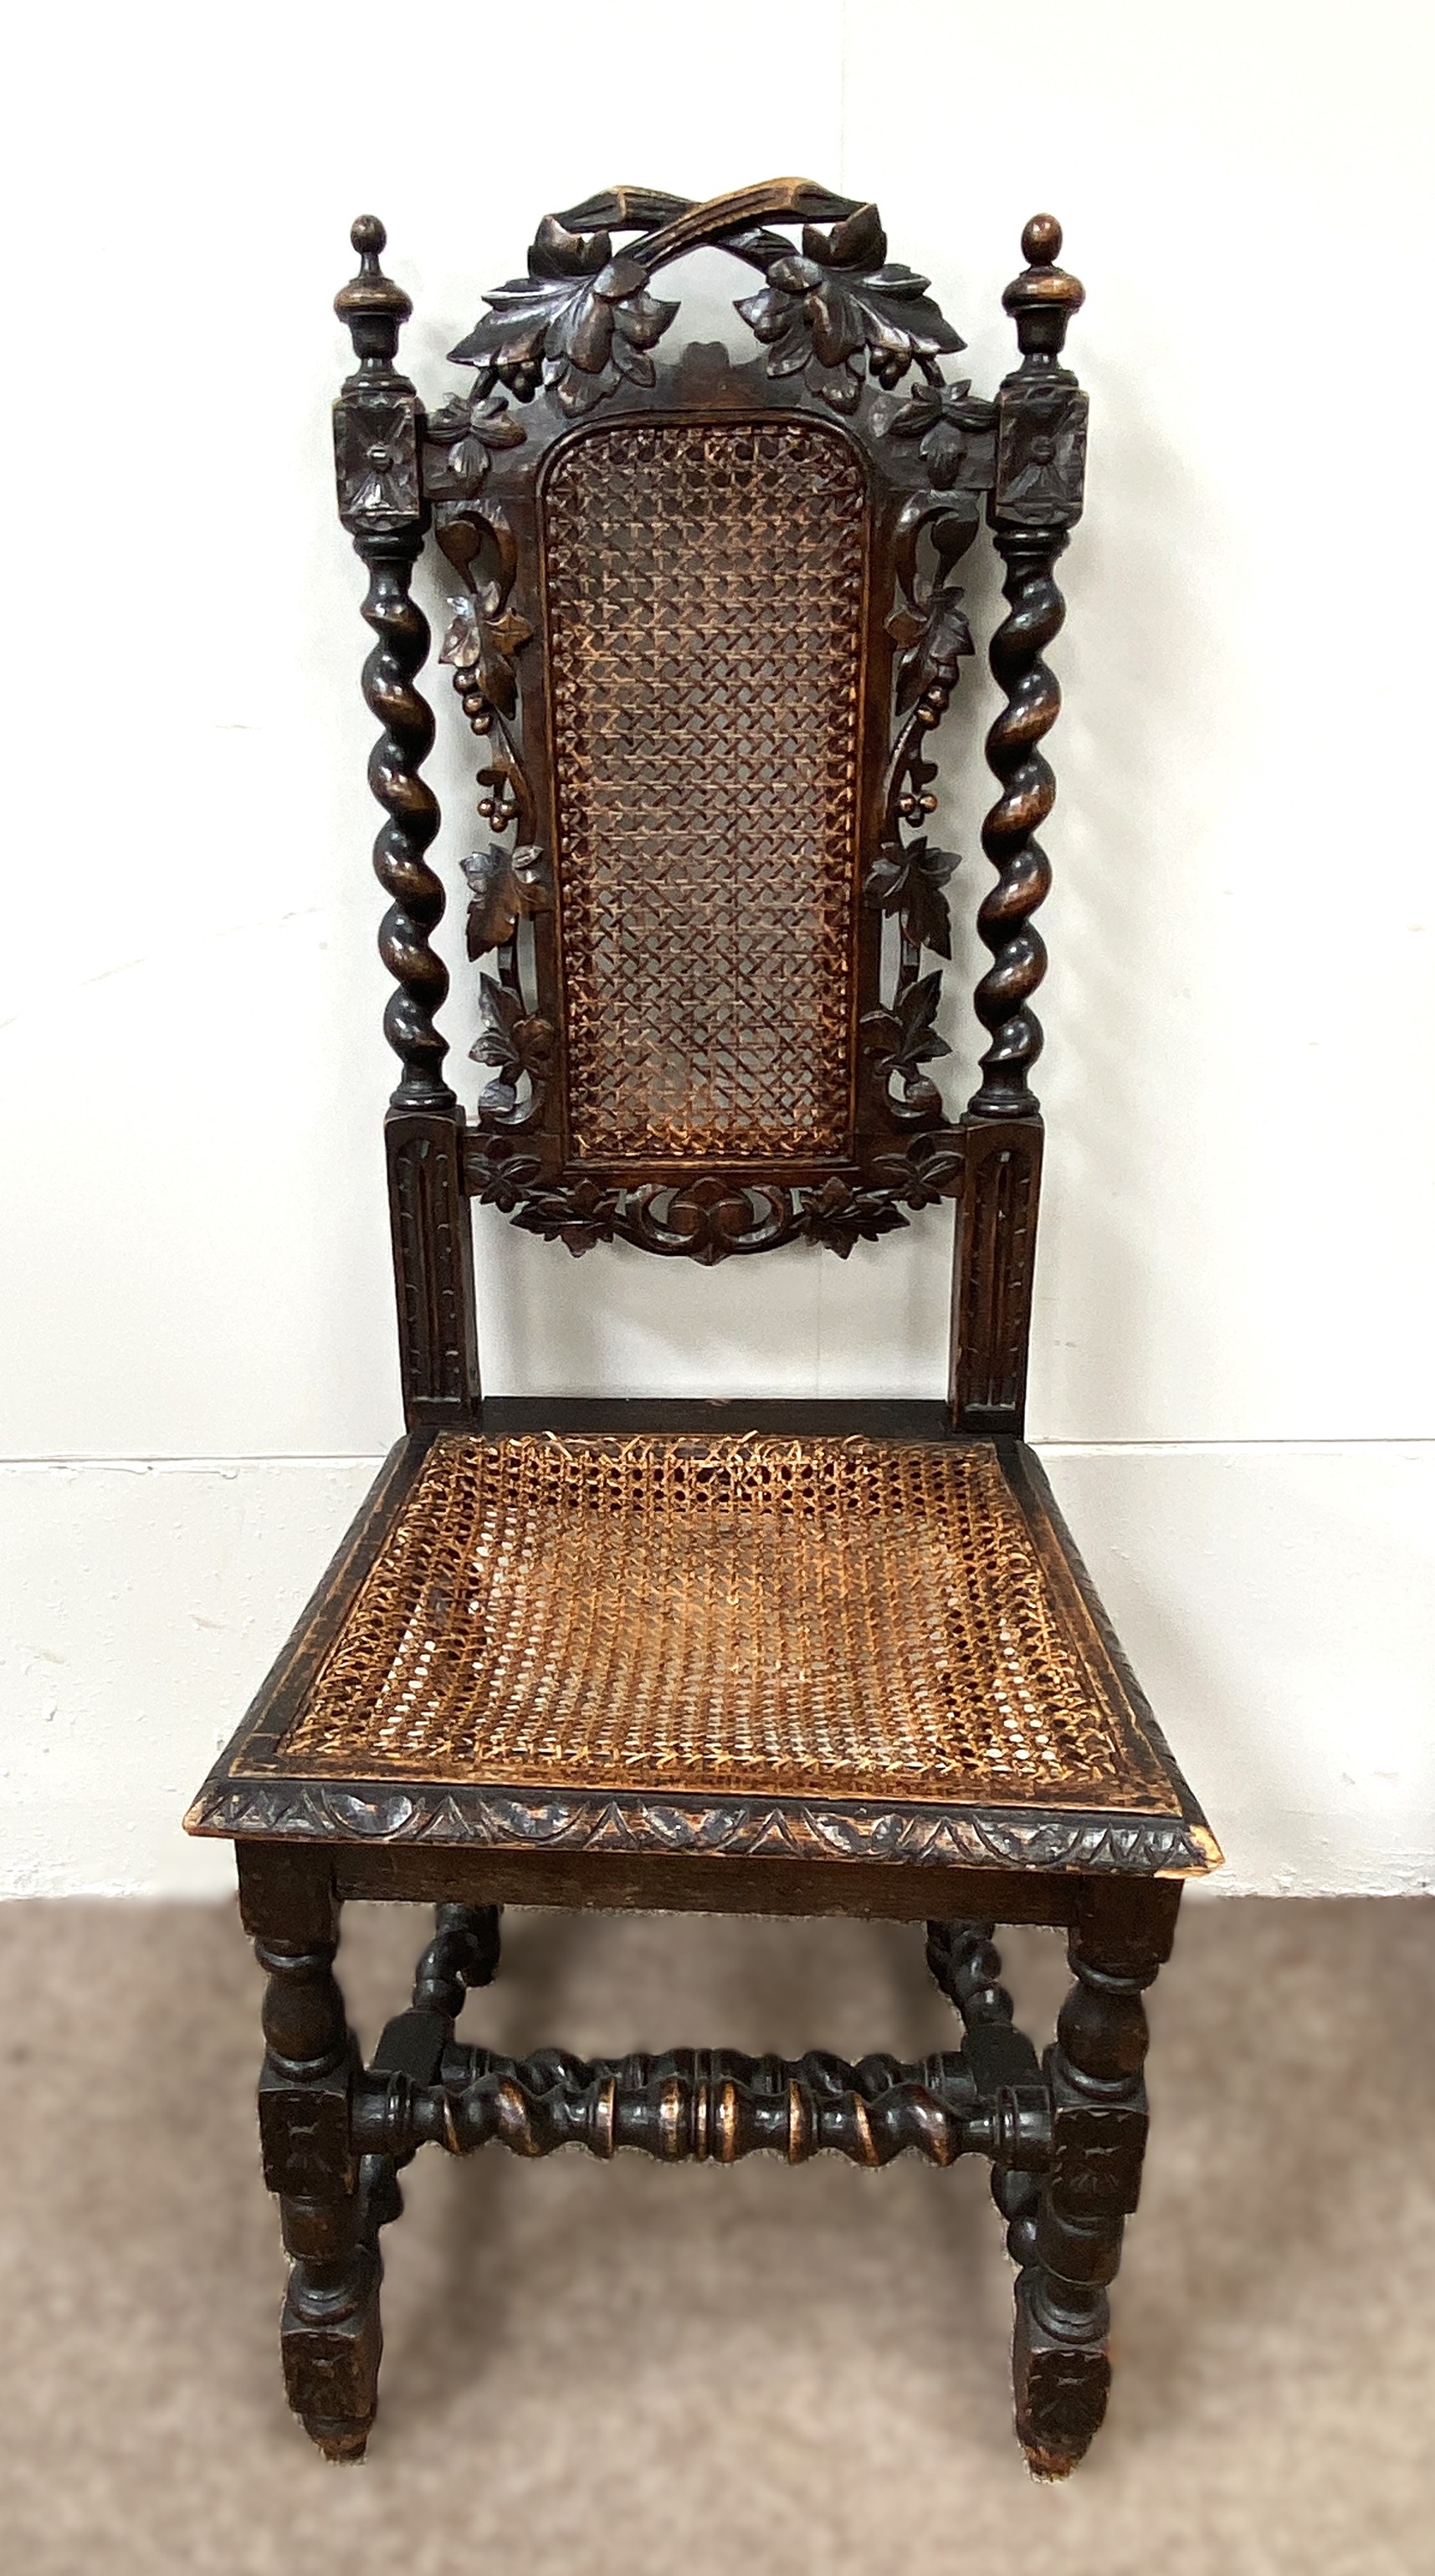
x=1233, y=1360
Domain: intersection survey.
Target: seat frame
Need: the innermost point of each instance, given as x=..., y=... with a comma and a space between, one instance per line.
x=1065, y=2133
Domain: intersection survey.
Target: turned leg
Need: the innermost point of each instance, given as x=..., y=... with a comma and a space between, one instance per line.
x=329, y=2335
x=1061, y=2362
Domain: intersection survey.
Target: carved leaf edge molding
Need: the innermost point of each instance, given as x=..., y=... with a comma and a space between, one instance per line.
x=329, y=1811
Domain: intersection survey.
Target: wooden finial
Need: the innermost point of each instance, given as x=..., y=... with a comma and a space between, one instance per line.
x=372, y=306
x=1043, y=299
x=1040, y=241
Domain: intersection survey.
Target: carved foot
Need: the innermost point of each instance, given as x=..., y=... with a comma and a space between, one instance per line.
x=331, y=2342
x=1071, y=2242
x=1060, y=2386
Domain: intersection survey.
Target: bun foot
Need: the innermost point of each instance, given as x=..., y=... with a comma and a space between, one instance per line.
x=338, y=2441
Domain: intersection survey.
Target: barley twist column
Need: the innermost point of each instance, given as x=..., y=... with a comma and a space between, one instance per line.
x=377, y=430
x=1036, y=500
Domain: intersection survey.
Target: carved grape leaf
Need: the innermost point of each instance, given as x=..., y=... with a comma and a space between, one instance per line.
x=904, y=1039
x=956, y=430
x=504, y=1179
x=579, y=1217
x=839, y=1216
x=509, y=886
x=839, y=307
x=485, y=644
x=908, y=878
x=513, y=1039
x=581, y=321
x=465, y=433
x=927, y=1168
x=931, y=644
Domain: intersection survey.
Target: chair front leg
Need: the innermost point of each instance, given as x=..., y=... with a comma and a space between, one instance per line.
x=329, y=2336
x=1061, y=2360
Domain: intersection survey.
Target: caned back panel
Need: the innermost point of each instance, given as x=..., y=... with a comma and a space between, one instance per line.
x=705, y=603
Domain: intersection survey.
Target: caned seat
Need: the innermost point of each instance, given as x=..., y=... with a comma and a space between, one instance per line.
x=810, y=1658
x=720, y=1640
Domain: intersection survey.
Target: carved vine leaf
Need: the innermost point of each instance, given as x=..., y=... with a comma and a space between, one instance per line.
x=504, y=1179
x=908, y=879
x=580, y=321
x=513, y=1039
x=932, y=642
x=509, y=886
x=927, y=1169
x=468, y=428
x=484, y=643
x=839, y=307
x=950, y=422
x=904, y=1039
x=579, y=1217
x=839, y=1216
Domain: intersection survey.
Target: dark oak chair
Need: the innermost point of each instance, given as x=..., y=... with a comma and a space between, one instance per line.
x=791, y=1659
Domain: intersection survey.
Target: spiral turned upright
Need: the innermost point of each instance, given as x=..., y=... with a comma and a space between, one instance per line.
x=1036, y=500
x=1028, y=792
x=416, y=893
x=378, y=427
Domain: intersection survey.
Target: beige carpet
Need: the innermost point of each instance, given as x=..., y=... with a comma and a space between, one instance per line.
x=597, y=2370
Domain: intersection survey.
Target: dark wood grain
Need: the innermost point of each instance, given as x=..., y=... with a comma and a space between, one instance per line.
x=699, y=2105
x=1061, y=2357
x=963, y=1958
x=433, y=1267
x=685, y=1883
x=330, y=2337
x=849, y=373
x=925, y=464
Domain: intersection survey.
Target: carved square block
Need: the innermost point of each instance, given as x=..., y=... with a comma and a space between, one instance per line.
x=1097, y=2150
x=376, y=460
x=1041, y=454
x=304, y=2135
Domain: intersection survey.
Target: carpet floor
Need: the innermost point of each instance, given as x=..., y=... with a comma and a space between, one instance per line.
x=620, y=2369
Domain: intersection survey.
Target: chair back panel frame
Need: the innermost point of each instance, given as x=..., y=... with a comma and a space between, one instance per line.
x=522, y=1152
x=837, y=321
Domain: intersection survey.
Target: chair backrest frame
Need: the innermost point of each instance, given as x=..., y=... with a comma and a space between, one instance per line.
x=496, y=482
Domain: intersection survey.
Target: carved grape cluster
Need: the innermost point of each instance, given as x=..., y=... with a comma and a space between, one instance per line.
x=839, y=309
x=580, y=322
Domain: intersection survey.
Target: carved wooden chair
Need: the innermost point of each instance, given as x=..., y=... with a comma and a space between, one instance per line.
x=791, y=1659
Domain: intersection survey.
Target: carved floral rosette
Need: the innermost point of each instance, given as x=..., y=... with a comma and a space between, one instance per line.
x=838, y=328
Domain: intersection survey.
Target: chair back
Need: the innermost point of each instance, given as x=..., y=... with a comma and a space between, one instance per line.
x=706, y=622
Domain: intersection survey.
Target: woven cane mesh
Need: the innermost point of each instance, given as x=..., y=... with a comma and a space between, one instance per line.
x=704, y=588
x=854, y=1617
